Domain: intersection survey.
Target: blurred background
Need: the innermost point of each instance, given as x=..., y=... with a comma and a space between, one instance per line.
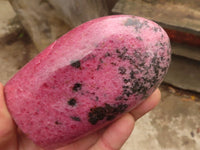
x=27, y=27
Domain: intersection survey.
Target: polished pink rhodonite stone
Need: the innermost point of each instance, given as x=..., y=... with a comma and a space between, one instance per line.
x=88, y=78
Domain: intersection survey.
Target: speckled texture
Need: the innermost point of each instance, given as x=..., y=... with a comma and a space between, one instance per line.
x=88, y=78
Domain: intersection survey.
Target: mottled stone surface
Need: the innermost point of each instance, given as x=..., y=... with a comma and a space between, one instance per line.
x=87, y=78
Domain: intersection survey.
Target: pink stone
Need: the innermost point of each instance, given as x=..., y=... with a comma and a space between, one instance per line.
x=88, y=78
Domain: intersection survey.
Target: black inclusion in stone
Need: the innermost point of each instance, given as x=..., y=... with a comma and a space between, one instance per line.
x=75, y=118
x=77, y=87
x=109, y=112
x=72, y=102
x=121, y=108
x=96, y=98
x=76, y=64
x=122, y=70
x=57, y=122
x=129, y=22
x=119, y=98
x=126, y=80
x=96, y=114
x=132, y=74
x=139, y=38
x=107, y=54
